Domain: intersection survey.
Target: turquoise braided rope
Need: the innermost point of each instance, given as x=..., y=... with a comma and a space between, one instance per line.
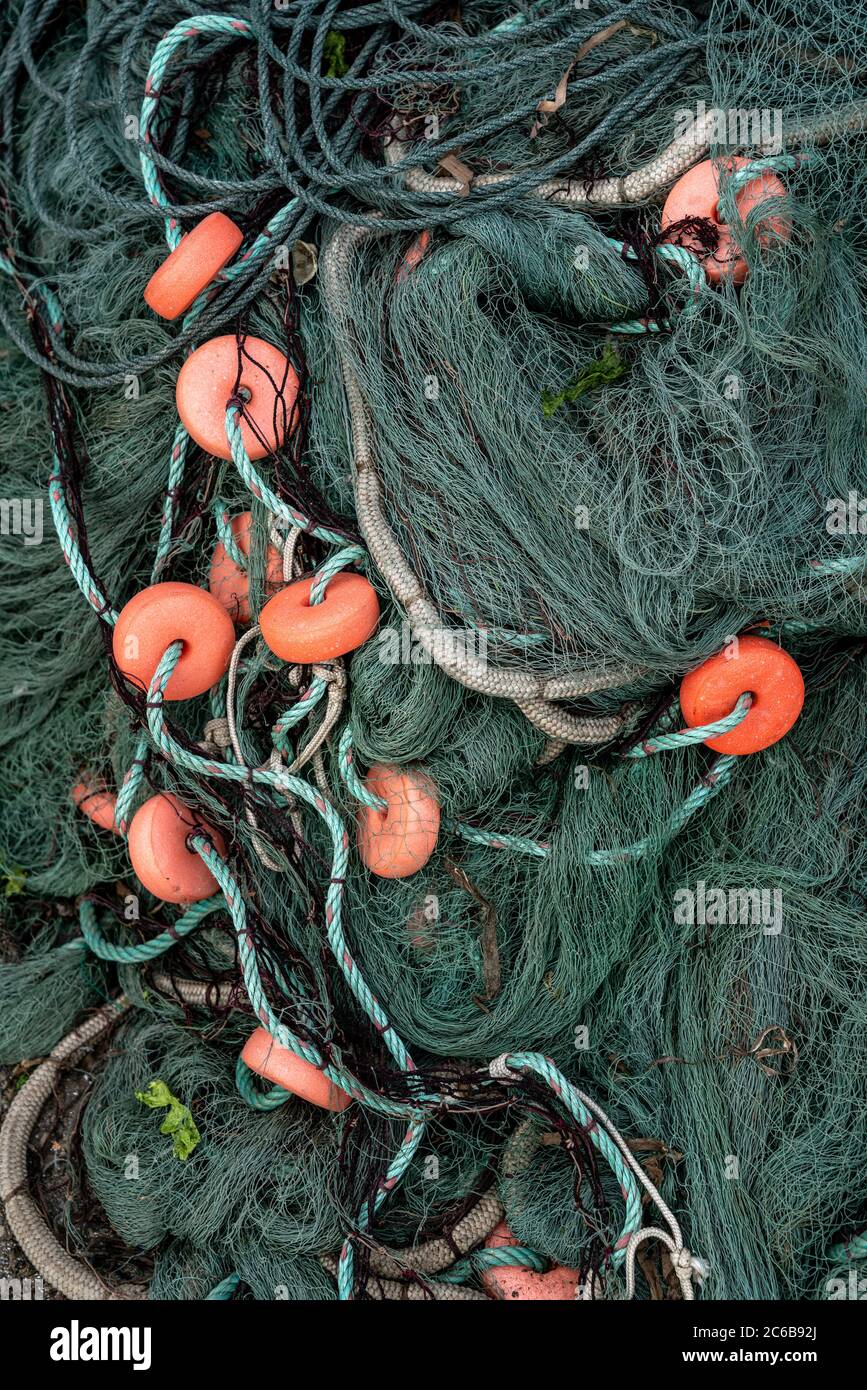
x=223, y=523
x=850, y=1251
x=177, y=464
x=283, y=782
x=769, y=164
x=522, y=844
x=543, y=1067
x=398, y=1167
x=265, y=243
x=214, y=25
x=683, y=738
x=294, y=715
x=224, y=1290
x=249, y=1091
x=847, y=565
x=263, y=492
x=349, y=555
x=718, y=775
x=685, y=259
x=233, y=895
x=145, y=950
x=346, y=764
x=492, y=1257
x=677, y=255
x=63, y=523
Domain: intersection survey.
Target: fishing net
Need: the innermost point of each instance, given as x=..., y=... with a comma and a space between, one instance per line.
x=572, y=472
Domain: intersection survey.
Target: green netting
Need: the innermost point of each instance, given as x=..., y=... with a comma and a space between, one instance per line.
x=637, y=525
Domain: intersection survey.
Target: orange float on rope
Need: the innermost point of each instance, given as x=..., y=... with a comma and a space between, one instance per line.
x=515, y=1281
x=158, y=850
x=696, y=194
x=267, y=1058
x=93, y=801
x=749, y=665
x=190, y=268
x=398, y=840
x=231, y=585
x=303, y=632
x=165, y=613
x=225, y=368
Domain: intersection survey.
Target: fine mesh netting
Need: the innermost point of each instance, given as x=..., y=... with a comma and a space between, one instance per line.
x=576, y=500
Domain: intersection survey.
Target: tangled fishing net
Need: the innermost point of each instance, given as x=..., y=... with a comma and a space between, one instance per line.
x=573, y=469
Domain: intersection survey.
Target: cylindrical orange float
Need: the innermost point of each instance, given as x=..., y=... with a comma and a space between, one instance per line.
x=159, y=853
x=95, y=802
x=165, y=613
x=749, y=666
x=190, y=268
x=277, y=1064
x=301, y=632
x=247, y=368
x=229, y=584
x=399, y=839
x=515, y=1281
x=696, y=194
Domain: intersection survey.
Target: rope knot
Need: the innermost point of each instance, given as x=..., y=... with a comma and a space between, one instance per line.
x=217, y=733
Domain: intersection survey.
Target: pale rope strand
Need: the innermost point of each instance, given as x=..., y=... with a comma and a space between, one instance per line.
x=71, y=1277
x=642, y=184
x=686, y=1265
x=391, y=1290
x=434, y=1256
x=335, y=677
x=274, y=865
x=533, y=693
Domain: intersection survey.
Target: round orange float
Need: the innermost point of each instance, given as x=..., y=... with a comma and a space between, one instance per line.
x=251, y=369
x=277, y=1064
x=96, y=803
x=398, y=840
x=696, y=194
x=515, y=1281
x=190, y=268
x=302, y=632
x=231, y=585
x=162, y=614
x=755, y=666
x=158, y=850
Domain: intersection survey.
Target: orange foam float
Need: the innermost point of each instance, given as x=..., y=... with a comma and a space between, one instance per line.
x=160, y=856
x=696, y=194
x=229, y=584
x=302, y=632
x=399, y=839
x=518, y=1282
x=94, y=801
x=170, y=612
x=225, y=368
x=751, y=665
x=277, y=1064
x=190, y=268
